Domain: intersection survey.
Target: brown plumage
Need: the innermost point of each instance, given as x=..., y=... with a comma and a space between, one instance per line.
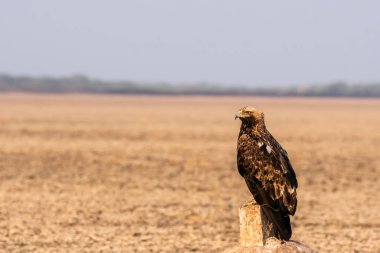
x=266, y=168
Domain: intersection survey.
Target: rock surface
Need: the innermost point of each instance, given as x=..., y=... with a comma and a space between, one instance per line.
x=256, y=234
x=273, y=245
x=255, y=227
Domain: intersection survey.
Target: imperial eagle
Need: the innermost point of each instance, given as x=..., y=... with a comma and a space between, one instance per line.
x=266, y=168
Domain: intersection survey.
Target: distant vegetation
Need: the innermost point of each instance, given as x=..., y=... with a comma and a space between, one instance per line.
x=83, y=84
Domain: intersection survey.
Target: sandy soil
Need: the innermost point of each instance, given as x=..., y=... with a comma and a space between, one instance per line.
x=158, y=174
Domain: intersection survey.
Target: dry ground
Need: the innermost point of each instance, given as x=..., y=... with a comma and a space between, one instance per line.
x=157, y=174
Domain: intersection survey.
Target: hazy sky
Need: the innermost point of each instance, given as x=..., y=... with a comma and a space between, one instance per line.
x=232, y=42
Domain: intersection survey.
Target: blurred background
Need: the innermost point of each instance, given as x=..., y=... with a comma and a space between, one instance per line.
x=117, y=130
x=217, y=44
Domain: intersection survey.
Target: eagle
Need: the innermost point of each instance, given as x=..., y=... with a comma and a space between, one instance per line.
x=266, y=168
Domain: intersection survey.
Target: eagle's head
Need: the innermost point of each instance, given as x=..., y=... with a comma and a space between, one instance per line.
x=250, y=114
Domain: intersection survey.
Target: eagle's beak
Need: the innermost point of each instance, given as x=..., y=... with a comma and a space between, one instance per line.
x=237, y=115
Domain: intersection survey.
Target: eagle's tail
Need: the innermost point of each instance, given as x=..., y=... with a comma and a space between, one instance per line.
x=281, y=222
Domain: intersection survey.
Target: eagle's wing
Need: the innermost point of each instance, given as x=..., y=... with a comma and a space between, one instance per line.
x=283, y=156
x=268, y=172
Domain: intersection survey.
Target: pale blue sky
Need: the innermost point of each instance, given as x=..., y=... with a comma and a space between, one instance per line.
x=232, y=42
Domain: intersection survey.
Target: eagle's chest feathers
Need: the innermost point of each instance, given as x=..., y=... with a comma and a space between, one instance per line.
x=256, y=155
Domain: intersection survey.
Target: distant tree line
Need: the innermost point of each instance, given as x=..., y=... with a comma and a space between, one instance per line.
x=83, y=84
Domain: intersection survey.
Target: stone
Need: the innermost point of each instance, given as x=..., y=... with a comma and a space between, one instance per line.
x=255, y=228
x=257, y=234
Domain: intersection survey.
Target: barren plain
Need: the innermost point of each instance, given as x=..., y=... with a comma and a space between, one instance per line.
x=82, y=173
